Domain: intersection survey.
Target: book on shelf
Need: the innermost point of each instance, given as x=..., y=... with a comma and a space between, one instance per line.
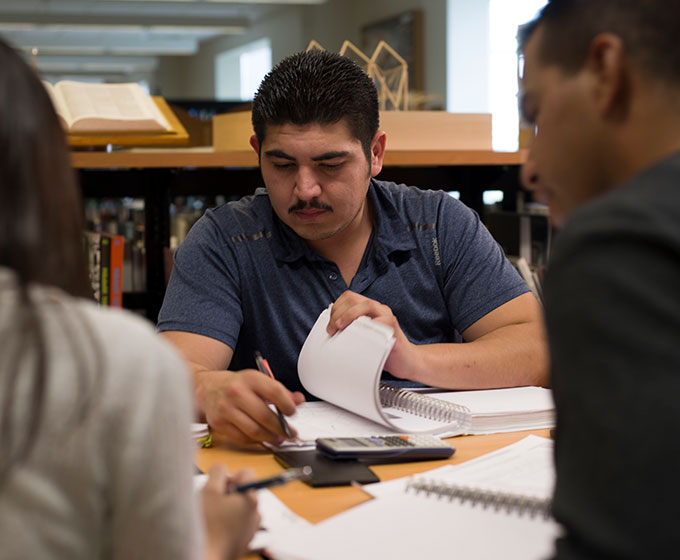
x=494, y=506
x=122, y=114
x=94, y=256
x=116, y=248
x=126, y=217
x=344, y=371
x=105, y=254
x=105, y=278
x=124, y=107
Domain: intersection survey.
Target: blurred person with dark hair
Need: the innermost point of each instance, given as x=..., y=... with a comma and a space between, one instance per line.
x=95, y=408
x=602, y=85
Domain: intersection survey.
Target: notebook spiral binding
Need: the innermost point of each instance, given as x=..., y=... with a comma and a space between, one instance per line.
x=425, y=406
x=499, y=501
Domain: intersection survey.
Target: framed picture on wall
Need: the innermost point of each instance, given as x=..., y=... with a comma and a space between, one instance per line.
x=403, y=33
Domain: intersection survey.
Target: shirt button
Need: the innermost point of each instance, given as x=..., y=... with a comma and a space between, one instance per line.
x=333, y=276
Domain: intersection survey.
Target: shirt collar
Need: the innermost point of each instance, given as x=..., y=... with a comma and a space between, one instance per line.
x=391, y=231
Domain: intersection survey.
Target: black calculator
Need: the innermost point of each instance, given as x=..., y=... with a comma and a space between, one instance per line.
x=387, y=449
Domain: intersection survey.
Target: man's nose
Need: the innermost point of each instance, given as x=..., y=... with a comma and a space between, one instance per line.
x=529, y=174
x=306, y=184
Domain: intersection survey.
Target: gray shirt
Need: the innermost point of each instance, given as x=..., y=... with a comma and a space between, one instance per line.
x=117, y=484
x=613, y=315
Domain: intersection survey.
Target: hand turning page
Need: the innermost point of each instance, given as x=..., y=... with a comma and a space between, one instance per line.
x=344, y=369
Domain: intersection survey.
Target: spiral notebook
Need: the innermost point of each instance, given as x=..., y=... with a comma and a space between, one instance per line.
x=344, y=370
x=461, y=513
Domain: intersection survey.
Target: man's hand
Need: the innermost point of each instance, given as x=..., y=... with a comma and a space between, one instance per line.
x=504, y=348
x=350, y=306
x=235, y=404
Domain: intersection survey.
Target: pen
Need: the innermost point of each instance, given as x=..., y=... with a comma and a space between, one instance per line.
x=263, y=366
x=285, y=476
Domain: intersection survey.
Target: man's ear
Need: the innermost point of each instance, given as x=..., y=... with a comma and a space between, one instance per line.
x=377, y=152
x=607, y=62
x=255, y=144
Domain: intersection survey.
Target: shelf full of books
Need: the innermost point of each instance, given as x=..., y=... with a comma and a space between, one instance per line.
x=115, y=245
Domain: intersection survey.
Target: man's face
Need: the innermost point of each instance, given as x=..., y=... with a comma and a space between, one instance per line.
x=564, y=158
x=317, y=176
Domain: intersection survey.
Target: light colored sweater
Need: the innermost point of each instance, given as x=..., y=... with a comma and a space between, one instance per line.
x=119, y=483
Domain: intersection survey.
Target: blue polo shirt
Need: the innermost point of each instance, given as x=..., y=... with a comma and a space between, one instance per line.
x=245, y=278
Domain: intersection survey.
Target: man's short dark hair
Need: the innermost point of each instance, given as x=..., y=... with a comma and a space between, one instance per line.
x=648, y=28
x=318, y=87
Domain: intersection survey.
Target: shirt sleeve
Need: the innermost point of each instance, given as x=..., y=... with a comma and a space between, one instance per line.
x=477, y=277
x=203, y=294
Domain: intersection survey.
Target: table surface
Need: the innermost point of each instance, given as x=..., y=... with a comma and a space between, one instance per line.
x=317, y=504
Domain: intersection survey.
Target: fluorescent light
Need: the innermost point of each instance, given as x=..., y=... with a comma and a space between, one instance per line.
x=273, y=2
x=118, y=28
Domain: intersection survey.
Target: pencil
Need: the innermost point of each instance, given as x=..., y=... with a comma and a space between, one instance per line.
x=263, y=366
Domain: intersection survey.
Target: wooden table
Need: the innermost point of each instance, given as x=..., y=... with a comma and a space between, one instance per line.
x=317, y=504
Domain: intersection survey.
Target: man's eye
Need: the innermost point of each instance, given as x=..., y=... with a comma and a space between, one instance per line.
x=331, y=166
x=283, y=165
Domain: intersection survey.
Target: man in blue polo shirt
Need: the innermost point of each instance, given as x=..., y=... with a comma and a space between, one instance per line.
x=255, y=274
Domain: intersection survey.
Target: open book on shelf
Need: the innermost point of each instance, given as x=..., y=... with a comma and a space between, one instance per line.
x=495, y=506
x=344, y=371
x=88, y=110
x=87, y=107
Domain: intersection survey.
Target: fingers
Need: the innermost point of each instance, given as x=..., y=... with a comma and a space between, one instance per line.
x=218, y=478
x=230, y=519
x=242, y=476
x=350, y=306
x=237, y=407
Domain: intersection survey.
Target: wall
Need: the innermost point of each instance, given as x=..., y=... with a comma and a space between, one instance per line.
x=467, y=47
x=434, y=38
x=292, y=28
x=283, y=27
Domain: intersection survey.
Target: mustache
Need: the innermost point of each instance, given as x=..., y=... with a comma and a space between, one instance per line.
x=314, y=203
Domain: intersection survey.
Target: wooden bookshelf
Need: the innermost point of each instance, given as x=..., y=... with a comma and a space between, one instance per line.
x=230, y=168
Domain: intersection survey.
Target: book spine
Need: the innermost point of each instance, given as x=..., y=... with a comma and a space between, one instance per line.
x=116, y=270
x=105, y=284
x=425, y=406
x=92, y=246
x=500, y=501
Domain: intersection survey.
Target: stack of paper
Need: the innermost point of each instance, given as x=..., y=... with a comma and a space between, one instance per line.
x=402, y=525
x=505, y=410
x=492, y=411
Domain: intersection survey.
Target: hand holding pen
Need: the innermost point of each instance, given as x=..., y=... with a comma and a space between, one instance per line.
x=297, y=473
x=263, y=366
x=230, y=517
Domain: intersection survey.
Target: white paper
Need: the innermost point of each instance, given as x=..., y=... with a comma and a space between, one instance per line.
x=276, y=517
x=344, y=369
x=403, y=525
x=525, y=467
x=505, y=410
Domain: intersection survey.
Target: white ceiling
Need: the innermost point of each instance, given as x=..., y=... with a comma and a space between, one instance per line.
x=118, y=38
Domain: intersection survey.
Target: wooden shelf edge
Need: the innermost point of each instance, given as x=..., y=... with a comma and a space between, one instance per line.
x=178, y=157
